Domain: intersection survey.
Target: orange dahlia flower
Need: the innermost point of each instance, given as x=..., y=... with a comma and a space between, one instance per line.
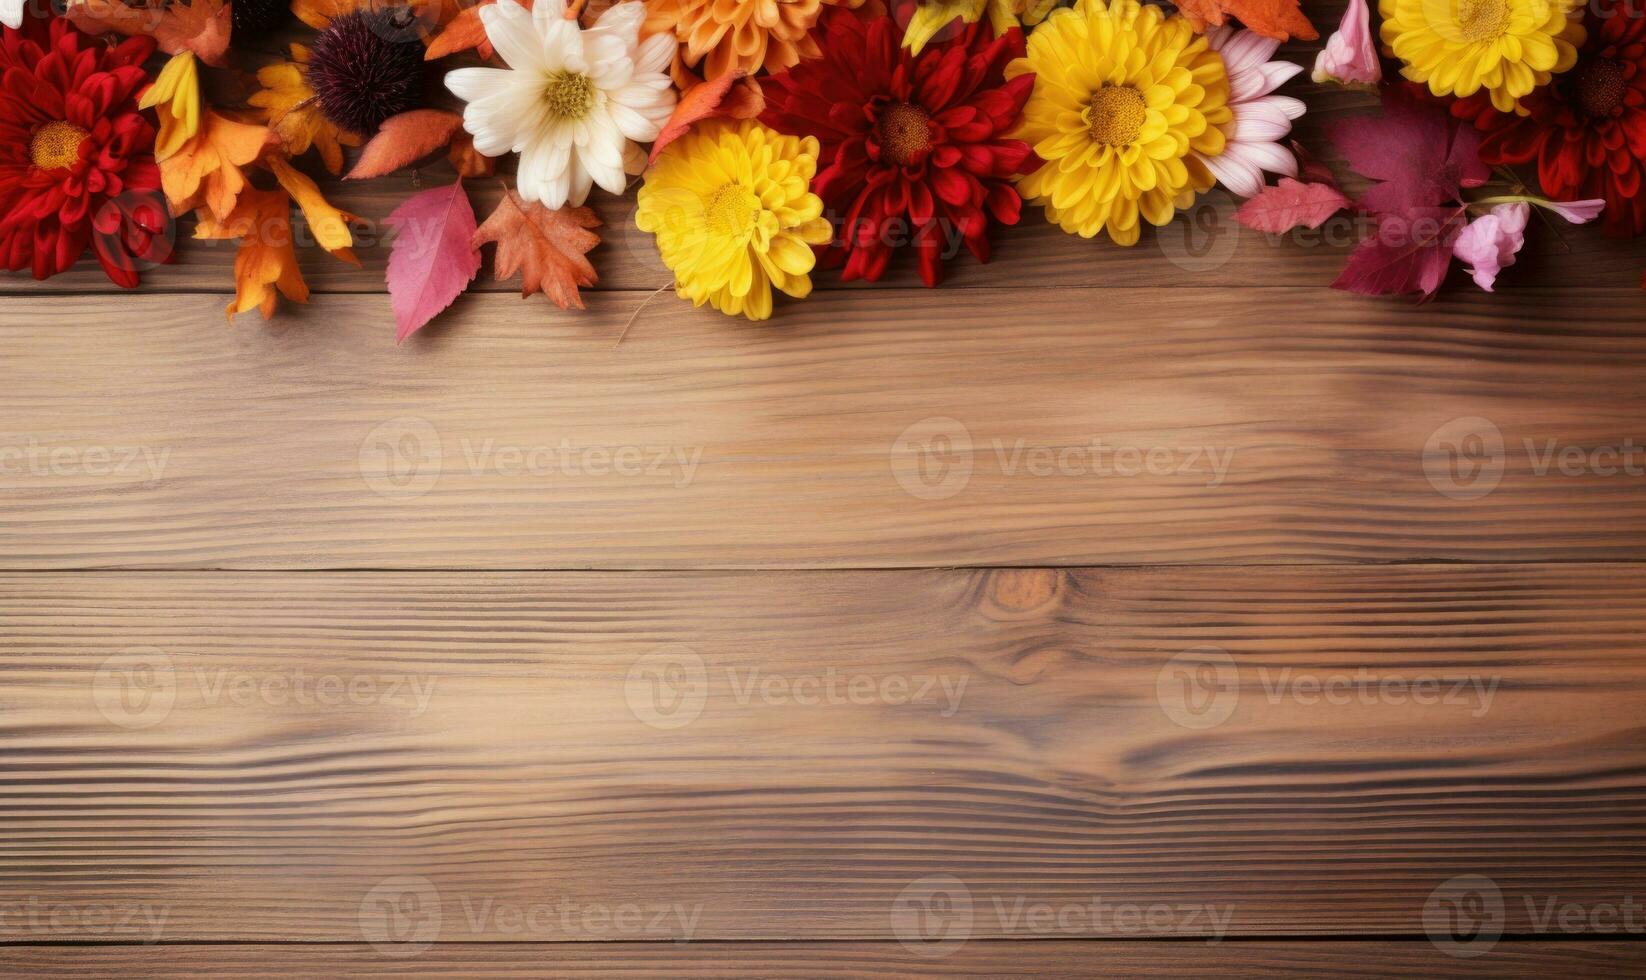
x=718, y=36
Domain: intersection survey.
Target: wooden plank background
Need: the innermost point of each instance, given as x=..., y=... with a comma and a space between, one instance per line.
x=301, y=632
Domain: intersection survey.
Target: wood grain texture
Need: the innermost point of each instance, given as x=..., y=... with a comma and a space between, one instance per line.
x=1106, y=426
x=263, y=756
x=813, y=961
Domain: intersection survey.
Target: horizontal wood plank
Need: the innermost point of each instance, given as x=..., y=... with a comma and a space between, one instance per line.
x=1306, y=959
x=1100, y=426
x=1027, y=753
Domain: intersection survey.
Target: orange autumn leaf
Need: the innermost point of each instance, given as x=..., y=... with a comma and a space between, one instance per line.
x=464, y=31
x=728, y=96
x=206, y=169
x=202, y=26
x=266, y=261
x=546, y=247
x=405, y=139
x=468, y=161
x=329, y=225
x=1278, y=19
x=287, y=104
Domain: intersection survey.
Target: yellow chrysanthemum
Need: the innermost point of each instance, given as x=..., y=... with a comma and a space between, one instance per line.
x=1122, y=96
x=931, y=16
x=1507, y=47
x=731, y=207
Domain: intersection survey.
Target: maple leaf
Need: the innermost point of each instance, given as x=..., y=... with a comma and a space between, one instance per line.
x=433, y=258
x=1419, y=154
x=329, y=225
x=288, y=105
x=266, y=261
x=206, y=169
x=201, y=26
x=1408, y=253
x=546, y=247
x=1278, y=19
x=405, y=139
x=729, y=96
x=1291, y=204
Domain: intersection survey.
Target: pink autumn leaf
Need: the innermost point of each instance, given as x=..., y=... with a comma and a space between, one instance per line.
x=1419, y=154
x=1291, y=204
x=433, y=258
x=1491, y=242
x=1409, y=253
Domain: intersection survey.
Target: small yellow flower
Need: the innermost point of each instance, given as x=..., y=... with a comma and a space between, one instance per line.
x=1507, y=47
x=289, y=108
x=1124, y=98
x=731, y=206
x=931, y=16
x=175, y=98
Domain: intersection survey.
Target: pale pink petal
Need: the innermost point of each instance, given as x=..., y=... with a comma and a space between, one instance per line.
x=1350, y=55
x=1578, y=212
x=1490, y=243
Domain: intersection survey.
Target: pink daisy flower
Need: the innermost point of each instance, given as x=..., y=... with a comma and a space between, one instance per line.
x=1261, y=118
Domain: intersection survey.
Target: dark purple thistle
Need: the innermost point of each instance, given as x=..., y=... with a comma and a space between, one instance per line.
x=366, y=67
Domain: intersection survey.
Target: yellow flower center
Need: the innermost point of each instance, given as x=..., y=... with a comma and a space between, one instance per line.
x=905, y=136
x=56, y=146
x=1482, y=20
x=732, y=209
x=569, y=95
x=1115, y=115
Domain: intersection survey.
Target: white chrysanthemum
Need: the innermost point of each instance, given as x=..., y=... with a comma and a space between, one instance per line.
x=11, y=13
x=571, y=100
x=1261, y=118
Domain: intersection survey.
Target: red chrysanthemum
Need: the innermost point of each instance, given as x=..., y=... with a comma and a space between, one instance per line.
x=76, y=157
x=1587, y=128
x=913, y=147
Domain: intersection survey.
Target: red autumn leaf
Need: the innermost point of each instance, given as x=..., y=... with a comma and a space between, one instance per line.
x=1278, y=19
x=1409, y=253
x=729, y=96
x=405, y=139
x=433, y=258
x=1309, y=168
x=546, y=247
x=201, y=27
x=1418, y=153
x=1291, y=204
